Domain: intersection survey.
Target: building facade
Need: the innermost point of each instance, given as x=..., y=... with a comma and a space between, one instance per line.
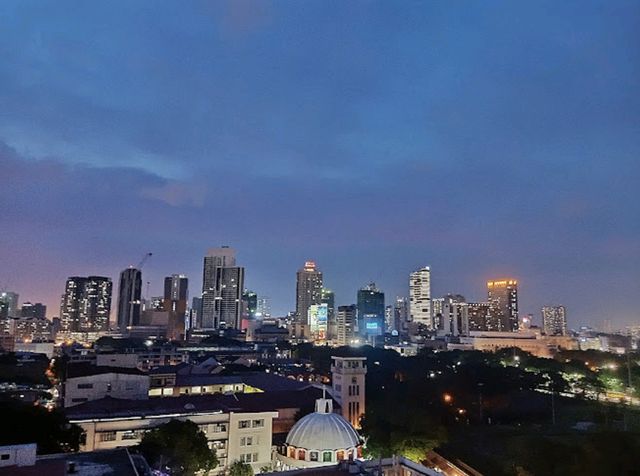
x=503, y=297
x=348, y=386
x=86, y=305
x=371, y=311
x=554, y=320
x=129, y=298
x=420, y=297
x=345, y=324
x=222, y=285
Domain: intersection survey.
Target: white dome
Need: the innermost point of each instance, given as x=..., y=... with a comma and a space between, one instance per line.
x=323, y=430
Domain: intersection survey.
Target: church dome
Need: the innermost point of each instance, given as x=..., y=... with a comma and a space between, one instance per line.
x=323, y=430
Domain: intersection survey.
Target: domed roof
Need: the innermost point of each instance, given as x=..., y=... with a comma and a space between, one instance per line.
x=323, y=430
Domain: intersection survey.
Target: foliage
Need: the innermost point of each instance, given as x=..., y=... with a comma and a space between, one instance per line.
x=178, y=446
x=50, y=430
x=238, y=468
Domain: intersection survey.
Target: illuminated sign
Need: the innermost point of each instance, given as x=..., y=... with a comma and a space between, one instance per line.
x=318, y=316
x=510, y=282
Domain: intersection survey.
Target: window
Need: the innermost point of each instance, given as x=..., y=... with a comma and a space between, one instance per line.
x=108, y=436
x=340, y=455
x=109, y=388
x=219, y=428
x=85, y=385
x=4, y=457
x=313, y=456
x=302, y=455
x=255, y=457
x=326, y=457
x=243, y=424
x=258, y=423
x=130, y=435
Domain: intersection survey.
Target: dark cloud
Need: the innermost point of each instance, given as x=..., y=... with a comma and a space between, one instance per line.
x=482, y=140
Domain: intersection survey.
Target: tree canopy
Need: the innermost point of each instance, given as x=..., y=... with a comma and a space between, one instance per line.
x=178, y=447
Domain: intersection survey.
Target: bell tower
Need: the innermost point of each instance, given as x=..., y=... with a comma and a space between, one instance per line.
x=348, y=386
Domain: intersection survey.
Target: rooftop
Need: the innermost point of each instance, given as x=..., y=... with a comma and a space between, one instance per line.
x=85, y=369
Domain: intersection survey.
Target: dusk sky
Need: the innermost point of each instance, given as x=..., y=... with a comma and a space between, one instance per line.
x=485, y=139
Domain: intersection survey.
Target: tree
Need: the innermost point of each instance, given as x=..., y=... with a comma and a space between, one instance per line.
x=179, y=447
x=238, y=468
x=50, y=430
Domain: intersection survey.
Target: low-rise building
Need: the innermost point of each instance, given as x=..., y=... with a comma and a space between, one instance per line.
x=86, y=382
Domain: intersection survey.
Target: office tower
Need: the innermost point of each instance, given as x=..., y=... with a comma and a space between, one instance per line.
x=389, y=318
x=479, y=316
x=308, y=289
x=554, y=320
x=345, y=324
x=129, y=298
x=195, y=313
x=503, y=296
x=348, y=384
x=9, y=304
x=86, y=304
x=222, y=286
x=420, y=297
x=36, y=310
x=370, y=311
x=329, y=298
x=264, y=307
x=250, y=304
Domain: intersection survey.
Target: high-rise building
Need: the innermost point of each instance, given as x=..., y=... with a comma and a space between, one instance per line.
x=345, y=324
x=401, y=313
x=308, y=289
x=453, y=315
x=479, y=316
x=250, y=304
x=370, y=311
x=503, y=296
x=329, y=298
x=129, y=298
x=36, y=310
x=263, y=308
x=222, y=285
x=86, y=304
x=174, y=302
x=554, y=320
x=420, y=297
x=9, y=304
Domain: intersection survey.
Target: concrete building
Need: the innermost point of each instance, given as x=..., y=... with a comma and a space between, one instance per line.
x=503, y=297
x=308, y=290
x=370, y=312
x=36, y=310
x=86, y=305
x=86, y=382
x=346, y=325
x=9, y=302
x=222, y=285
x=348, y=386
x=554, y=320
x=237, y=434
x=420, y=297
x=129, y=298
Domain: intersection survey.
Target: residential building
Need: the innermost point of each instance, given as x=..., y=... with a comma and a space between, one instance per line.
x=37, y=310
x=554, y=320
x=346, y=324
x=420, y=297
x=9, y=302
x=222, y=286
x=308, y=289
x=86, y=305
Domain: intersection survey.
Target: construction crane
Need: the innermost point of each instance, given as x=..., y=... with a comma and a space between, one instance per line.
x=144, y=260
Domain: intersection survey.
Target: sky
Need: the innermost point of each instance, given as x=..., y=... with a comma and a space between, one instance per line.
x=485, y=139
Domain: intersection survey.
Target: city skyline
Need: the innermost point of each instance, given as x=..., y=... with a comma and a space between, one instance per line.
x=335, y=140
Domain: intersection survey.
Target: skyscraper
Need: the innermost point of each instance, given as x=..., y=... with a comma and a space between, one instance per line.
x=174, y=303
x=554, y=320
x=346, y=324
x=129, y=298
x=9, y=304
x=36, y=310
x=222, y=285
x=329, y=298
x=86, y=304
x=503, y=297
x=420, y=297
x=370, y=311
x=308, y=289
x=250, y=303
x=453, y=317
x=401, y=313
x=479, y=316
